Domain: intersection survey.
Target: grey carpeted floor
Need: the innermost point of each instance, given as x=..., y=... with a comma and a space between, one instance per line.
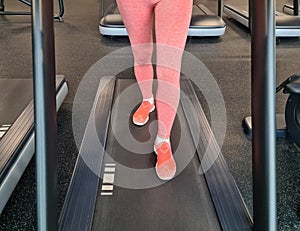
x=79, y=46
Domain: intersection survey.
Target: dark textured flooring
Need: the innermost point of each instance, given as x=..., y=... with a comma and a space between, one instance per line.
x=79, y=46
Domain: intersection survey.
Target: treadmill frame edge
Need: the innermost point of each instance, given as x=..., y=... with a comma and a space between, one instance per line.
x=192, y=32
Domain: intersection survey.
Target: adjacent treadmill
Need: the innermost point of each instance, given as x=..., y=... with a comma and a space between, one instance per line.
x=286, y=25
x=111, y=186
x=203, y=22
x=58, y=16
x=16, y=130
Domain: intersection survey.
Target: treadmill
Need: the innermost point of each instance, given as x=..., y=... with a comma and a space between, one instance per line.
x=290, y=9
x=16, y=130
x=286, y=25
x=114, y=188
x=203, y=22
x=58, y=16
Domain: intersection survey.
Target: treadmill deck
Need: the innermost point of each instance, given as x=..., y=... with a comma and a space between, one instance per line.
x=114, y=185
x=180, y=204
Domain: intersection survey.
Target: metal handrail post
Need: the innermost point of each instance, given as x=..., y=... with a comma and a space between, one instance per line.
x=263, y=75
x=45, y=114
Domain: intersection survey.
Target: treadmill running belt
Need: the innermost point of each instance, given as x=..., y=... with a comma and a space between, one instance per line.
x=15, y=95
x=183, y=203
x=114, y=185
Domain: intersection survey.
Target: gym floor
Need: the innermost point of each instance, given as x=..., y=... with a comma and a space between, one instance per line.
x=79, y=45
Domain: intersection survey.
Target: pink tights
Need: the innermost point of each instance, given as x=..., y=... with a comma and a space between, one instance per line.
x=172, y=19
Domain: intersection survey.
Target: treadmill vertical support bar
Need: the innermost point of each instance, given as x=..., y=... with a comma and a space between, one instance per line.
x=296, y=7
x=102, y=9
x=263, y=74
x=250, y=15
x=220, y=8
x=1, y=5
x=44, y=113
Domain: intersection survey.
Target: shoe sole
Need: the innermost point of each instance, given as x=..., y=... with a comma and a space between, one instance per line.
x=164, y=178
x=141, y=124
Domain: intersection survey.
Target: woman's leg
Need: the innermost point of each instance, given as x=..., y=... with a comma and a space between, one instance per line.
x=172, y=19
x=137, y=16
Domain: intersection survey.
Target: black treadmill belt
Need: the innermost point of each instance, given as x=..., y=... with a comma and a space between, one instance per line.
x=15, y=94
x=183, y=203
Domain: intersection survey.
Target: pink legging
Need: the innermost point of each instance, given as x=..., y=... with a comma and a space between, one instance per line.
x=172, y=19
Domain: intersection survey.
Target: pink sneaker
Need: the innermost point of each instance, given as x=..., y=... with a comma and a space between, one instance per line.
x=165, y=165
x=141, y=116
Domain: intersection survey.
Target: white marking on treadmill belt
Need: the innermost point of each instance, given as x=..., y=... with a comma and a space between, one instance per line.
x=111, y=165
x=107, y=187
x=4, y=127
x=2, y=134
x=108, y=179
x=109, y=169
x=106, y=193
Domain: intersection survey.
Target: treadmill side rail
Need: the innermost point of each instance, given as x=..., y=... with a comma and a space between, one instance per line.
x=231, y=209
x=78, y=208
